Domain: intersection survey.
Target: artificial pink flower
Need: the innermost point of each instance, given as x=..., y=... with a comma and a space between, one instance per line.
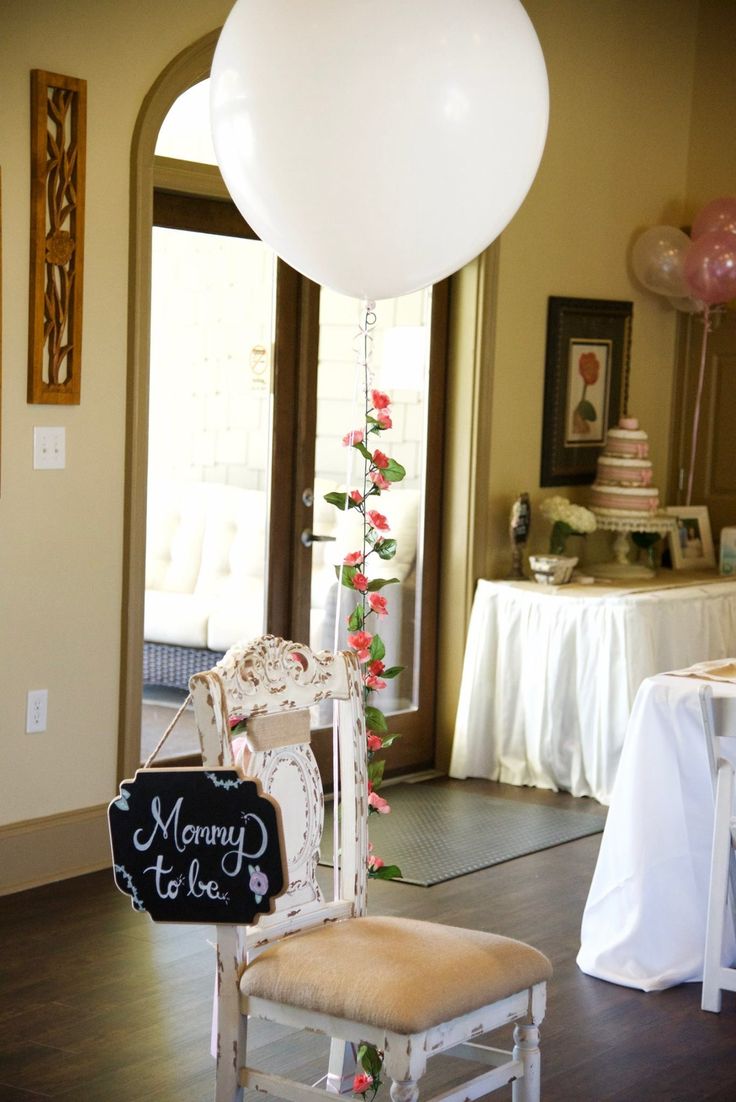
x=384, y=419
x=379, y=481
x=375, y=683
x=376, y=667
x=362, y=1083
x=360, y=582
x=378, y=520
x=380, y=459
x=361, y=641
x=378, y=803
x=356, y=496
x=378, y=604
x=353, y=558
x=234, y=721
x=354, y=437
x=375, y=863
x=374, y=742
x=380, y=400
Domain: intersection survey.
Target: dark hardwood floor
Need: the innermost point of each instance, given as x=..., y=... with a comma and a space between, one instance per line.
x=100, y=1005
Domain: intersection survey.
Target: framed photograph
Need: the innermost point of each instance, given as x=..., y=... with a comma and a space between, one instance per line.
x=691, y=545
x=585, y=384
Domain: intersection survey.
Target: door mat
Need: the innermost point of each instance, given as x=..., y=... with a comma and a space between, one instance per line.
x=437, y=832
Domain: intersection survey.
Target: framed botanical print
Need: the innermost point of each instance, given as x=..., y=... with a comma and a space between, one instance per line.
x=585, y=384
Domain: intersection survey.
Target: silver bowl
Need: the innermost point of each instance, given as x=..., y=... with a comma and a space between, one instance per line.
x=552, y=569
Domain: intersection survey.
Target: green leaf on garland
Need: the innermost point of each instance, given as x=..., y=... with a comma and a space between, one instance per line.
x=369, y=1059
x=386, y=872
x=385, y=549
x=388, y=740
x=394, y=472
x=363, y=451
x=375, y=773
x=355, y=620
x=345, y=574
x=379, y=583
x=375, y=720
x=378, y=649
x=338, y=499
x=393, y=671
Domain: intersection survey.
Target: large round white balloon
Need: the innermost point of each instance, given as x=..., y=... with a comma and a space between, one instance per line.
x=378, y=146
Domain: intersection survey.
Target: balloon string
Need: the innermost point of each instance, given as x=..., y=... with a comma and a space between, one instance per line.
x=698, y=398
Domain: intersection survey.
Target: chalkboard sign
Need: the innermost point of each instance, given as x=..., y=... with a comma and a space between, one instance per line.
x=196, y=845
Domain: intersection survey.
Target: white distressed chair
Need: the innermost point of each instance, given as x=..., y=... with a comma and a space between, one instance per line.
x=414, y=989
x=717, y=977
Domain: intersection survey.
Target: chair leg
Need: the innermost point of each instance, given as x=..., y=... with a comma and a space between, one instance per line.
x=526, y=1049
x=404, y=1090
x=341, y=1070
x=718, y=894
x=231, y=1024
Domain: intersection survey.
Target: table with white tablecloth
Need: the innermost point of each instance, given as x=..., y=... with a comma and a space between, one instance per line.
x=644, y=920
x=550, y=674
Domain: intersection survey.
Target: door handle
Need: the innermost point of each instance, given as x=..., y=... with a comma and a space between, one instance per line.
x=308, y=538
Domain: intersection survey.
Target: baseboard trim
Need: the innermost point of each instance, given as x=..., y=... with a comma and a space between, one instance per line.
x=40, y=851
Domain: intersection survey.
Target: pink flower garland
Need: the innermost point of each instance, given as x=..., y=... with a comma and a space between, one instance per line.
x=380, y=472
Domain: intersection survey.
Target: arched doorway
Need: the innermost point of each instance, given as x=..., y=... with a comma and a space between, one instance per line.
x=306, y=418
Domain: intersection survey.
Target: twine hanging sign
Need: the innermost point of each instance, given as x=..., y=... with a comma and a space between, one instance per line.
x=196, y=845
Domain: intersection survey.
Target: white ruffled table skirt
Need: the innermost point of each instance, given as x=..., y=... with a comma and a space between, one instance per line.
x=644, y=920
x=550, y=676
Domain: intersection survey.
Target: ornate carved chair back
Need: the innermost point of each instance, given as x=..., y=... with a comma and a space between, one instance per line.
x=272, y=684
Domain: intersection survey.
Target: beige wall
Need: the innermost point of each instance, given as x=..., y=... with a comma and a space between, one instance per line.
x=61, y=531
x=617, y=160
x=621, y=83
x=712, y=154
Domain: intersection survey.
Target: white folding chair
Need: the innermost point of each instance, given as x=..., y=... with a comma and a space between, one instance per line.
x=414, y=989
x=718, y=977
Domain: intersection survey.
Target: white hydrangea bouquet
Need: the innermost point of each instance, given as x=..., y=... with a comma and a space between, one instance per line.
x=567, y=520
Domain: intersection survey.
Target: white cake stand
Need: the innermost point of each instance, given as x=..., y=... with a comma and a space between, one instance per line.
x=621, y=567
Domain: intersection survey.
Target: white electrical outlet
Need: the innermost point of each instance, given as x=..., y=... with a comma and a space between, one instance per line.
x=36, y=710
x=49, y=448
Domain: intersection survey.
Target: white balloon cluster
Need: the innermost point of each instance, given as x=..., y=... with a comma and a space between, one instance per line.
x=695, y=272
x=378, y=147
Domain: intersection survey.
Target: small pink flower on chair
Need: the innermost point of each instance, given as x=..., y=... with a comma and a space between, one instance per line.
x=258, y=882
x=362, y=1083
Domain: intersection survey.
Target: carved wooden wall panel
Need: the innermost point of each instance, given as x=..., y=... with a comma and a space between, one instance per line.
x=58, y=141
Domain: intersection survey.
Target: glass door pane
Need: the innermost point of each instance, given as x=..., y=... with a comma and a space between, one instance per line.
x=212, y=336
x=399, y=367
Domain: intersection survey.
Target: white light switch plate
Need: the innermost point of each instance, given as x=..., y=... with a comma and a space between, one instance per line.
x=49, y=448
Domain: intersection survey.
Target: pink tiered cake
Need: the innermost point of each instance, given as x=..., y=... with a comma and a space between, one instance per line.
x=623, y=480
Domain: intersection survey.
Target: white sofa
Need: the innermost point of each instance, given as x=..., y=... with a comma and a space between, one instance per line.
x=205, y=566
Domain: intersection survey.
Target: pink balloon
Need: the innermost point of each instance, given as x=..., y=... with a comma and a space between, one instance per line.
x=710, y=267
x=719, y=214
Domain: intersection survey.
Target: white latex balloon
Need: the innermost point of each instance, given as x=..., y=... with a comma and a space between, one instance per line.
x=658, y=258
x=378, y=147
